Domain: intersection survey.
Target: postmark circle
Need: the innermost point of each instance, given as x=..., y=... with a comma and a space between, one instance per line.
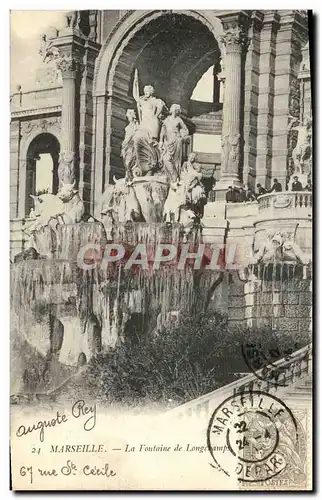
x=263, y=364
x=259, y=432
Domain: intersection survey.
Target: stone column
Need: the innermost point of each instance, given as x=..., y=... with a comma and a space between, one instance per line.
x=68, y=110
x=251, y=98
x=15, y=172
x=76, y=50
x=70, y=69
x=67, y=51
x=86, y=163
x=235, y=27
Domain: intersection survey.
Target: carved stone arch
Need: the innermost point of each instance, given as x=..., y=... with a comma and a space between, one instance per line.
x=36, y=129
x=127, y=27
x=135, y=41
x=192, y=76
x=28, y=137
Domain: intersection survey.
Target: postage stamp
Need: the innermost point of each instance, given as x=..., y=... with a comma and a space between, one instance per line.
x=262, y=435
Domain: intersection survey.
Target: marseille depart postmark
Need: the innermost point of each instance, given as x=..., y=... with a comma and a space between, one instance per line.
x=260, y=432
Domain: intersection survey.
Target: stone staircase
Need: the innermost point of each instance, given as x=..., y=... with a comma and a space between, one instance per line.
x=300, y=391
x=294, y=385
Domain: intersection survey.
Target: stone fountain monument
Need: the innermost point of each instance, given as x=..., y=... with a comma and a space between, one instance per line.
x=68, y=305
x=66, y=310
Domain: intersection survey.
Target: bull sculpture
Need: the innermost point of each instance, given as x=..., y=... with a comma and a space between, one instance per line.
x=64, y=208
x=50, y=210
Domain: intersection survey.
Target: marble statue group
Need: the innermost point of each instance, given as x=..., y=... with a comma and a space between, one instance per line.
x=161, y=182
x=158, y=184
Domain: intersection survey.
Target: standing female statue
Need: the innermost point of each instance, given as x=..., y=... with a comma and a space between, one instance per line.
x=128, y=149
x=191, y=180
x=150, y=109
x=173, y=134
x=146, y=139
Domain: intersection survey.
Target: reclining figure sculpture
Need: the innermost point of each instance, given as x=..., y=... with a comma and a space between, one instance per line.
x=280, y=247
x=51, y=210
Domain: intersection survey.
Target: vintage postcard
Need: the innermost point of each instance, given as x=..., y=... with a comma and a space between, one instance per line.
x=161, y=250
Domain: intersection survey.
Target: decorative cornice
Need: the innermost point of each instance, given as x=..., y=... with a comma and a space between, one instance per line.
x=257, y=20
x=297, y=21
x=212, y=116
x=35, y=112
x=271, y=19
x=67, y=51
x=208, y=123
x=304, y=75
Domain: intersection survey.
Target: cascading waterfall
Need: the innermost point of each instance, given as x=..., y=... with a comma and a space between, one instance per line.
x=63, y=241
x=36, y=282
x=109, y=296
x=73, y=237
x=147, y=292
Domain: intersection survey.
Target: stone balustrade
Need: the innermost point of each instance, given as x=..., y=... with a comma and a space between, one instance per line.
x=288, y=369
x=286, y=199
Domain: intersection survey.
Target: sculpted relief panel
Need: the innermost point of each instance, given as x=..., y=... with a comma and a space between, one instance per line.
x=42, y=125
x=278, y=247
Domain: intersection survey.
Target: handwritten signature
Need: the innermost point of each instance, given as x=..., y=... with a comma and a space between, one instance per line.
x=79, y=409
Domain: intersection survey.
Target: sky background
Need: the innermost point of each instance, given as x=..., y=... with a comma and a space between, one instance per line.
x=26, y=28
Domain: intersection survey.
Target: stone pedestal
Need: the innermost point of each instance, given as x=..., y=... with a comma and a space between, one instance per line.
x=214, y=231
